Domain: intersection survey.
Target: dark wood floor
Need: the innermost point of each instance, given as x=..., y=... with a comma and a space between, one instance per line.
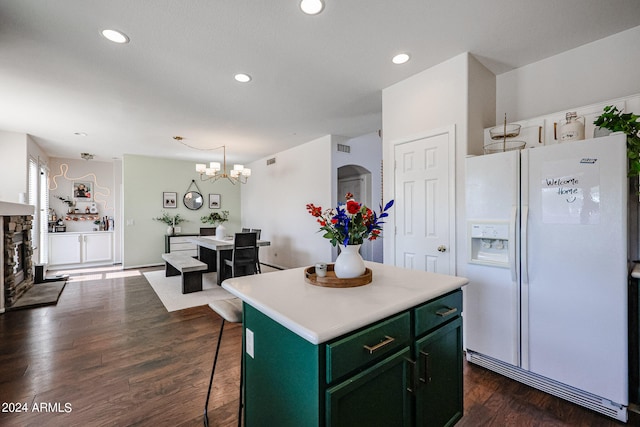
x=109, y=354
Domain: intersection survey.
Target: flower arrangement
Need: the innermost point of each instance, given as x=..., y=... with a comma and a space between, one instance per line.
x=215, y=218
x=350, y=223
x=172, y=220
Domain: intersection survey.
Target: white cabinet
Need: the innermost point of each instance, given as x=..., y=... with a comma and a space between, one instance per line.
x=181, y=244
x=65, y=248
x=96, y=247
x=590, y=114
x=545, y=130
x=80, y=248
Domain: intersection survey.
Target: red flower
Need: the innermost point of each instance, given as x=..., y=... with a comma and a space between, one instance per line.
x=353, y=207
x=314, y=210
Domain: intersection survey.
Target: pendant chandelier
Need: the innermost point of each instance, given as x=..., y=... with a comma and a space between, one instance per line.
x=214, y=172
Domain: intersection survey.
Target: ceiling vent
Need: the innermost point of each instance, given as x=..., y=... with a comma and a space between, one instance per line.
x=271, y=161
x=344, y=148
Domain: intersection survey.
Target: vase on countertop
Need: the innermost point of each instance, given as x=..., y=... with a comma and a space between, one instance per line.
x=221, y=232
x=170, y=230
x=349, y=263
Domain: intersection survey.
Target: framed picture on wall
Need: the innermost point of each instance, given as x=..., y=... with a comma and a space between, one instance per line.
x=83, y=191
x=214, y=201
x=169, y=200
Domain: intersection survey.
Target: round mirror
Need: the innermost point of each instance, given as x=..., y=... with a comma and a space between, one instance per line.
x=193, y=200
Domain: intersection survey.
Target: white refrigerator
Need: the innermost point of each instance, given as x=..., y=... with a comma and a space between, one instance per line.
x=547, y=264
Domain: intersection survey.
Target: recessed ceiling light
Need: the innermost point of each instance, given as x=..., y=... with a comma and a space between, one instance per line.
x=400, y=58
x=80, y=133
x=115, y=36
x=242, y=78
x=312, y=7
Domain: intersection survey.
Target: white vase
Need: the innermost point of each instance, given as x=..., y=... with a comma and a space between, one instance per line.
x=221, y=232
x=349, y=263
x=170, y=230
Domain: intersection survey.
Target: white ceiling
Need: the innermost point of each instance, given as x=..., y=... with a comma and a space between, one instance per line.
x=312, y=75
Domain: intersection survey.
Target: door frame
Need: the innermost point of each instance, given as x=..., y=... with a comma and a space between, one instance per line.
x=390, y=247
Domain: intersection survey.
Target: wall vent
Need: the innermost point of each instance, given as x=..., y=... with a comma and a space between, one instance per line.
x=344, y=148
x=271, y=161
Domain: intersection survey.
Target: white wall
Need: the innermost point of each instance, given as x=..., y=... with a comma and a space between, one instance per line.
x=14, y=171
x=275, y=199
x=598, y=71
x=366, y=151
x=437, y=98
x=64, y=172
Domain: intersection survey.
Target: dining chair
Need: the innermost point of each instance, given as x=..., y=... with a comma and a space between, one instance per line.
x=243, y=258
x=230, y=310
x=258, y=232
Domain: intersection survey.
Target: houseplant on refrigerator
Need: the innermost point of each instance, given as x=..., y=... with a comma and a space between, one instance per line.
x=617, y=121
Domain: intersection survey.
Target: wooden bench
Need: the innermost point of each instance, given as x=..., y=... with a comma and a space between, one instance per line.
x=190, y=268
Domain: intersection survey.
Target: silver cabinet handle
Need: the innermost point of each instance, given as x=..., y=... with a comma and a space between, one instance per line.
x=447, y=311
x=424, y=357
x=372, y=349
x=413, y=376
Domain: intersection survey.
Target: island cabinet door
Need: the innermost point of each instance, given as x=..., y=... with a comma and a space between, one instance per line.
x=439, y=393
x=378, y=396
x=282, y=375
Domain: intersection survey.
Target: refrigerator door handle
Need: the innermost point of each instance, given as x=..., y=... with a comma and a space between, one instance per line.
x=512, y=243
x=523, y=244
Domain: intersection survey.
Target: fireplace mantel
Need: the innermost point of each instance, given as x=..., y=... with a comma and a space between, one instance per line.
x=8, y=208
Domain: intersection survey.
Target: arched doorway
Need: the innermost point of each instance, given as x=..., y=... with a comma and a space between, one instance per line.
x=356, y=179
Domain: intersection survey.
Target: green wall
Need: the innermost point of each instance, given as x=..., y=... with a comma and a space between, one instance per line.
x=144, y=180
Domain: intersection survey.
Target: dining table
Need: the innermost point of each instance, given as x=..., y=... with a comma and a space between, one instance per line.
x=213, y=252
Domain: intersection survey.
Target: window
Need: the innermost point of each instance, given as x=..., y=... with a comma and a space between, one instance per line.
x=39, y=198
x=33, y=201
x=44, y=214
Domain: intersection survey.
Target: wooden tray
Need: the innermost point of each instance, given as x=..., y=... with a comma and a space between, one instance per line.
x=331, y=281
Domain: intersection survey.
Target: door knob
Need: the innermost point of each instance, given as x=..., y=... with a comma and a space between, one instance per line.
x=442, y=248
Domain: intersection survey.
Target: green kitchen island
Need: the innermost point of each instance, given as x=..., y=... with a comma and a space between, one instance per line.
x=385, y=354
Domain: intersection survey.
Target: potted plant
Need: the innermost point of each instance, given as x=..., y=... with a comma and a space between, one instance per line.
x=617, y=121
x=170, y=220
x=217, y=219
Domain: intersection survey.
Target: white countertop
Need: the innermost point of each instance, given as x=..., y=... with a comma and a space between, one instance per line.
x=319, y=314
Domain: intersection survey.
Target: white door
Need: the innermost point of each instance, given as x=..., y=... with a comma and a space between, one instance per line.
x=423, y=195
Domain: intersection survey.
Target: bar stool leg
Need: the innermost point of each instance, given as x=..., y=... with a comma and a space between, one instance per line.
x=213, y=369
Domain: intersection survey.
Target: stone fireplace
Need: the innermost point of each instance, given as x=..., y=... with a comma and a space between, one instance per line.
x=16, y=270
